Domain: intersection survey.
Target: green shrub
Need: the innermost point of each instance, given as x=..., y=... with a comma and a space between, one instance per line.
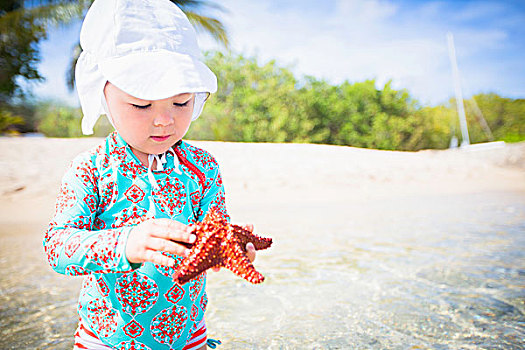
x=59, y=120
x=9, y=122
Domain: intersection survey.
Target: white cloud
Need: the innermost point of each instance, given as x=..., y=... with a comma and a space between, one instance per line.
x=360, y=40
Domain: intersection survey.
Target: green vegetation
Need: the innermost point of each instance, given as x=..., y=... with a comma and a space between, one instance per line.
x=267, y=103
x=9, y=122
x=255, y=103
x=51, y=118
x=504, y=116
x=58, y=120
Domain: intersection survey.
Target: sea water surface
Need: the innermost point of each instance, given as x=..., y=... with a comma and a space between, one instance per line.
x=415, y=272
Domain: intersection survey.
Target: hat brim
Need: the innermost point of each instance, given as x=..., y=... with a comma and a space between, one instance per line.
x=156, y=75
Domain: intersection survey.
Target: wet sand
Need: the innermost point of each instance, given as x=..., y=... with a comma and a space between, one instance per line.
x=386, y=224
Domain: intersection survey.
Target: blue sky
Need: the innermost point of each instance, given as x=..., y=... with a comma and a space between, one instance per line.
x=355, y=40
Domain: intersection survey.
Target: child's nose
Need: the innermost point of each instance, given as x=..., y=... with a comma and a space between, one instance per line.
x=163, y=118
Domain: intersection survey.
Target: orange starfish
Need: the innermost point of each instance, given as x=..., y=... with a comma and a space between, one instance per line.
x=221, y=244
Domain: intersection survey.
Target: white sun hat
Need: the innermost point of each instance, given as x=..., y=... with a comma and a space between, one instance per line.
x=147, y=48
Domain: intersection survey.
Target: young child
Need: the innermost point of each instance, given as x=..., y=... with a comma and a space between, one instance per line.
x=125, y=206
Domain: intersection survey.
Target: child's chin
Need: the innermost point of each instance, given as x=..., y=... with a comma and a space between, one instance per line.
x=159, y=147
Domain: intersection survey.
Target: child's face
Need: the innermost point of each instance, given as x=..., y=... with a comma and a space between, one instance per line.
x=149, y=127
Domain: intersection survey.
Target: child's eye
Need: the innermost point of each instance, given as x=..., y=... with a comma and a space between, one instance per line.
x=148, y=105
x=181, y=104
x=141, y=107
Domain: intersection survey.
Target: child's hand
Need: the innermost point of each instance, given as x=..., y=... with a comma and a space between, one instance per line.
x=250, y=249
x=147, y=240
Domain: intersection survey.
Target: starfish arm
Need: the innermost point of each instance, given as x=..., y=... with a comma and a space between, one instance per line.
x=246, y=237
x=237, y=262
x=204, y=255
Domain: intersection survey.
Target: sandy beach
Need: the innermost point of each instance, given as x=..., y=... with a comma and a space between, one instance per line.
x=31, y=170
x=328, y=203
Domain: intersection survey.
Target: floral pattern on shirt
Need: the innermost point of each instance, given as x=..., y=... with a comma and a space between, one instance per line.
x=104, y=194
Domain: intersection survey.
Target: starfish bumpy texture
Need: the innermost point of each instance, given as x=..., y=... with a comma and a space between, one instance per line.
x=221, y=244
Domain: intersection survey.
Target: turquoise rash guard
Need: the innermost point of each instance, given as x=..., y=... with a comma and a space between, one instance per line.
x=105, y=192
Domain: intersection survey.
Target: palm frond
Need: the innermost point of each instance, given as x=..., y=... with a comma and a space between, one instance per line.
x=191, y=5
x=70, y=73
x=194, y=9
x=211, y=25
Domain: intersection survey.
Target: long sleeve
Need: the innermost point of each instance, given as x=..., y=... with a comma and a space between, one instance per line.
x=213, y=194
x=72, y=244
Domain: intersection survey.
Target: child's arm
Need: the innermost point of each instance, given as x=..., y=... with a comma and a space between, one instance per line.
x=74, y=246
x=71, y=243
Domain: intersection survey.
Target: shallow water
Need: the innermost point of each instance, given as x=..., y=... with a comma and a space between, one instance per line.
x=438, y=272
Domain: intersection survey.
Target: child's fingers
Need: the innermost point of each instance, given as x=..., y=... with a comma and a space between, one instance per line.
x=171, y=229
x=161, y=244
x=158, y=258
x=250, y=251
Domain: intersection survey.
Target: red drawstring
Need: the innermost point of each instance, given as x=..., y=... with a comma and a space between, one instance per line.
x=189, y=165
